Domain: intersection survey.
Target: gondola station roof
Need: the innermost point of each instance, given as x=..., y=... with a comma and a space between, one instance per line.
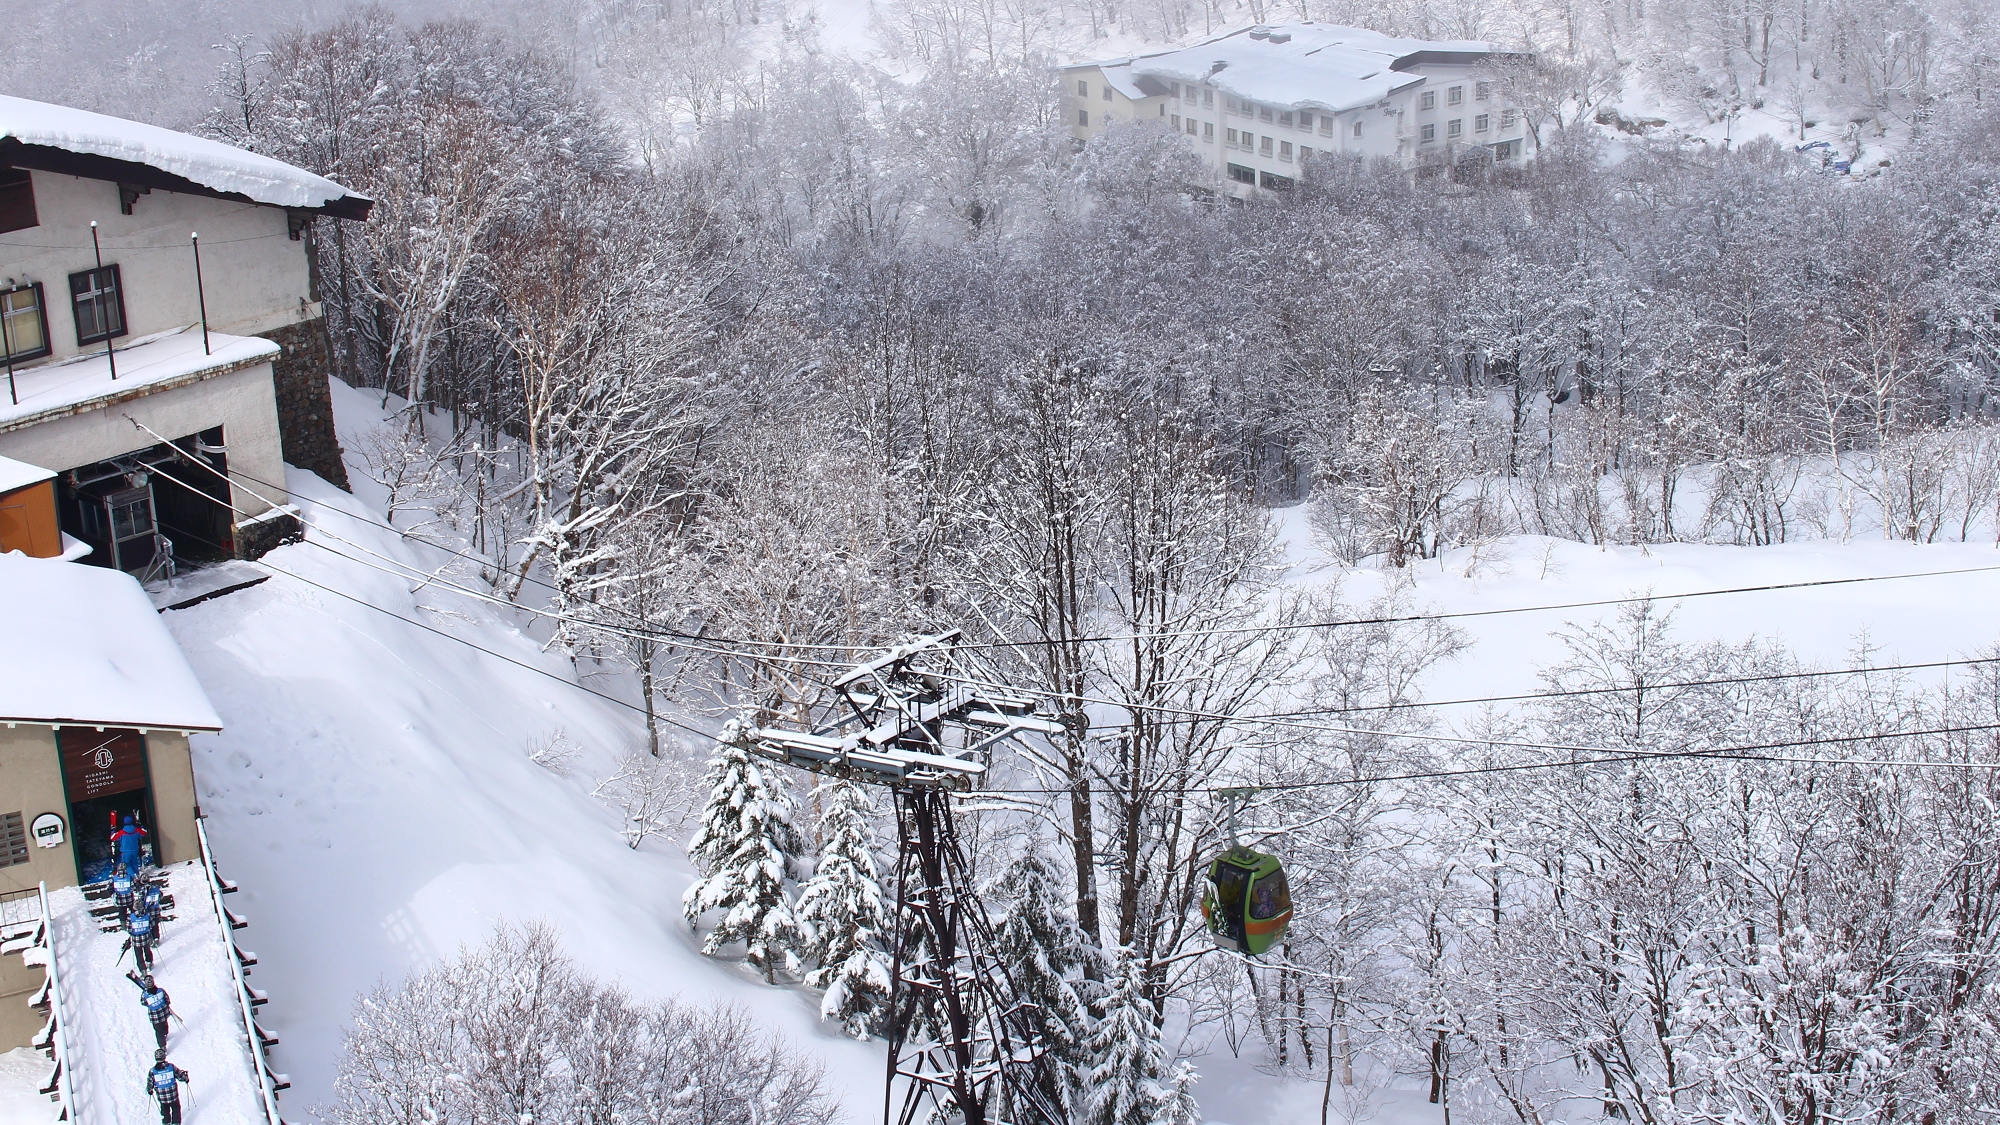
x=75, y=142
x=85, y=647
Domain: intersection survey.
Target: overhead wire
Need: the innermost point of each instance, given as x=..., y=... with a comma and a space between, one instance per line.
x=1297, y=720
x=1601, y=755
x=1045, y=642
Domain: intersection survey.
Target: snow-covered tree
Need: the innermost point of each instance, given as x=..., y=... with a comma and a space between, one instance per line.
x=745, y=848
x=1132, y=1079
x=1045, y=953
x=841, y=910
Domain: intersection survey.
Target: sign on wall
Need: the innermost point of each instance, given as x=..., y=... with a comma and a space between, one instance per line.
x=99, y=763
x=47, y=830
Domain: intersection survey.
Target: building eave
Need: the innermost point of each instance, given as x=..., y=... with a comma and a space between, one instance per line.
x=106, y=724
x=58, y=161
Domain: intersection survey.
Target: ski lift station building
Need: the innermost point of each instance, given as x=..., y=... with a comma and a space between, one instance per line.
x=96, y=706
x=162, y=384
x=1258, y=104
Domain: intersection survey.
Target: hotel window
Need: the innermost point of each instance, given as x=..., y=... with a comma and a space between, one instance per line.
x=1305, y=120
x=1429, y=133
x=1263, y=113
x=1107, y=93
x=1082, y=88
x=1208, y=131
x=1284, y=150
x=1232, y=136
x=1506, y=119
x=1305, y=154
x=1482, y=90
x=1357, y=126
x=1455, y=128
x=1426, y=100
x=1285, y=119
x=24, y=324
x=99, y=304
x=1208, y=99
x=1176, y=119
x=1174, y=88
x=17, y=200
x=1163, y=109
x=1265, y=148
x=1482, y=123
x=1083, y=118
x=1325, y=125
x=1190, y=127
x=1242, y=175
x=1455, y=96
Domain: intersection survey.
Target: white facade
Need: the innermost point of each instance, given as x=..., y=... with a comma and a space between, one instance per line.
x=1258, y=103
x=167, y=441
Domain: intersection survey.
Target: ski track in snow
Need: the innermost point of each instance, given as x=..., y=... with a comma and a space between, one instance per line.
x=111, y=1037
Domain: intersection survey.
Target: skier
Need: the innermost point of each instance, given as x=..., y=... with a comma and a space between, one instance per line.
x=121, y=891
x=141, y=933
x=128, y=841
x=163, y=1085
x=150, y=903
x=158, y=1004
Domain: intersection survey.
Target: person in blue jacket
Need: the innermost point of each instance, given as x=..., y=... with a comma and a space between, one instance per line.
x=128, y=840
x=142, y=931
x=121, y=891
x=163, y=1085
x=158, y=1004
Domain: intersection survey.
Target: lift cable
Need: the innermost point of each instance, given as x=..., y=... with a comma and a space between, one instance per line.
x=1400, y=619
x=1294, y=720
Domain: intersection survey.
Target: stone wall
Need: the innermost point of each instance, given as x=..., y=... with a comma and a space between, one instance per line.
x=305, y=409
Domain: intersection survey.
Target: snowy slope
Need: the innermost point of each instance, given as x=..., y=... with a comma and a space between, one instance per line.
x=110, y=1031
x=372, y=796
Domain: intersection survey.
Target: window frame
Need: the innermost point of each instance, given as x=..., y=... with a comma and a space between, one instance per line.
x=1428, y=99
x=1454, y=95
x=1482, y=123
x=1083, y=119
x=1357, y=128
x=1482, y=91
x=41, y=316
x=1082, y=88
x=1242, y=174
x=1428, y=134
x=1455, y=128
x=76, y=304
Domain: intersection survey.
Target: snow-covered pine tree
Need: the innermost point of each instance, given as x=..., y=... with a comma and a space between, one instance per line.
x=1043, y=949
x=841, y=907
x=1132, y=1080
x=745, y=848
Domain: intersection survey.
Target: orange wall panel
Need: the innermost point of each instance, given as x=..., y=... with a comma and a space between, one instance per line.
x=28, y=521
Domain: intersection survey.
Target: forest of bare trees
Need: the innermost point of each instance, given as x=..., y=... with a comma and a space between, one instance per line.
x=740, y=365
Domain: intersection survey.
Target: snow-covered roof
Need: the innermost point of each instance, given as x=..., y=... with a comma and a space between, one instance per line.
x=1305, y=65
x=86, y=646
x=19, y=474
x=210, y=164
x=148, y=365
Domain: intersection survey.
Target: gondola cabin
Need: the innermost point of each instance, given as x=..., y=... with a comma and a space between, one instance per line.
x=1247, y=903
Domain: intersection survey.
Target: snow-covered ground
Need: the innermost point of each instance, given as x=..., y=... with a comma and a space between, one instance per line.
x=374, y=797
x=110, y=1036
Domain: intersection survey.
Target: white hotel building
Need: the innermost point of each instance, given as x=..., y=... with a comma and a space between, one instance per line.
x=1257, y=103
